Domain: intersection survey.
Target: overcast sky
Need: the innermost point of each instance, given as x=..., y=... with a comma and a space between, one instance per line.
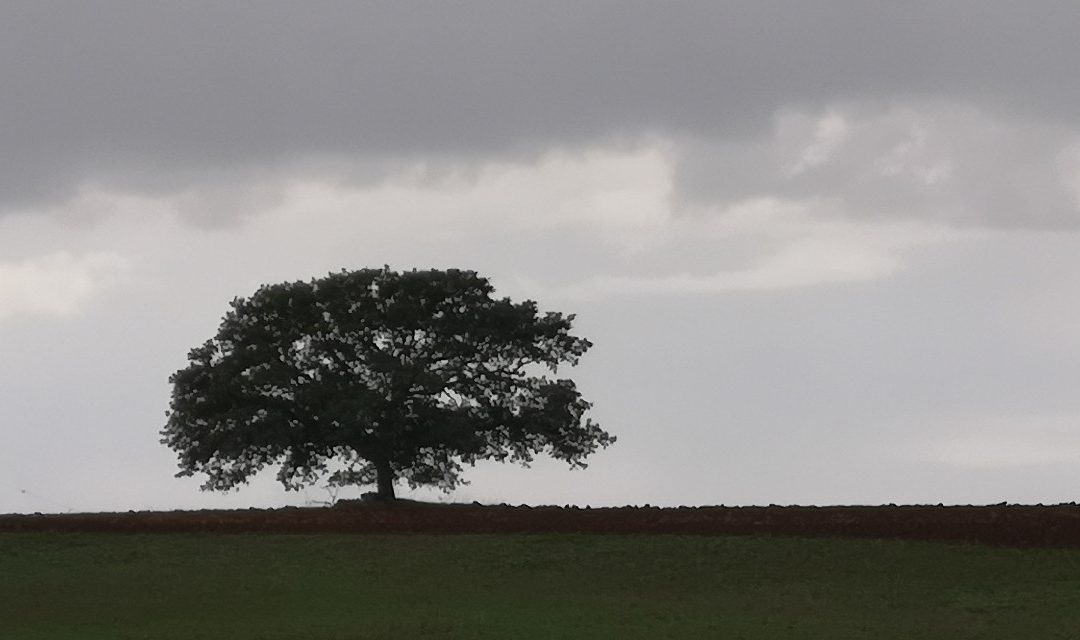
x=828, y=252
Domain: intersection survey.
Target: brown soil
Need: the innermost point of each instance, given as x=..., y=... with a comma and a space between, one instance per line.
x=1008, y=525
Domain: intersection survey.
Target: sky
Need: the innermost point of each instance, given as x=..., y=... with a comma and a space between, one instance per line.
x=828, y=253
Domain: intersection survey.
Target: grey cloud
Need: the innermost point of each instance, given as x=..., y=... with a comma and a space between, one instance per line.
x=159, y=97
x=934, y=161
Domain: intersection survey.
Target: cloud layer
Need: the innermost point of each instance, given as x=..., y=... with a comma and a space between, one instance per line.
x=934, y=161
x=202, y=97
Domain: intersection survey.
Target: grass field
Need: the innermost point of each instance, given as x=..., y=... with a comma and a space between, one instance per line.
x=278, y=587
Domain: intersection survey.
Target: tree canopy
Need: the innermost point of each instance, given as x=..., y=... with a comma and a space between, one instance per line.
x=370, y=376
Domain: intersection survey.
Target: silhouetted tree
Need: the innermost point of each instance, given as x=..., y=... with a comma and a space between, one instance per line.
x=372, y=376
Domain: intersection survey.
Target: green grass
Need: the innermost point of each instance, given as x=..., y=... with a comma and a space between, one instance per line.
x=247, y=587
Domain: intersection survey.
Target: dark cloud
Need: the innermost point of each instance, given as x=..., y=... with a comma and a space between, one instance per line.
x=933, y=161
x=157, y=97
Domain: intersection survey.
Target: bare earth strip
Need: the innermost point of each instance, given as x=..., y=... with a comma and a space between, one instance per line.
x=1006, y=525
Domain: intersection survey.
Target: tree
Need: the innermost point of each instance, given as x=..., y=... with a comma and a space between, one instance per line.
x=373, y=376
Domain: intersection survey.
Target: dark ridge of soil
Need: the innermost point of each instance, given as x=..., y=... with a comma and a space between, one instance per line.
x=1003, y=525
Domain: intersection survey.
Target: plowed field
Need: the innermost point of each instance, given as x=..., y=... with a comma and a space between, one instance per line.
x=1006, y=525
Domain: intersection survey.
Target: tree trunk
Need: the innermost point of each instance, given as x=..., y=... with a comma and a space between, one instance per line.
x=385, y=480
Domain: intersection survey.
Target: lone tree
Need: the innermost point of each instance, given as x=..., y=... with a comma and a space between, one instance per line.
x=371, y=376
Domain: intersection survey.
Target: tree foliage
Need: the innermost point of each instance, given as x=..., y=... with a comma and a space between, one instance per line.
x=370, y=376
